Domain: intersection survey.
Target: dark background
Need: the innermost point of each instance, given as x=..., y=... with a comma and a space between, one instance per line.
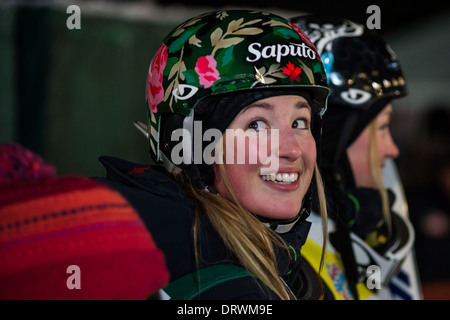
x=395, y=14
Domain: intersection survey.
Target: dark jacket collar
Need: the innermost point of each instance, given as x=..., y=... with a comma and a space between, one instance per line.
x=153, y=179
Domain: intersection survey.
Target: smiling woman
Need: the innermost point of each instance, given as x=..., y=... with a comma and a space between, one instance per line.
x=231, y=228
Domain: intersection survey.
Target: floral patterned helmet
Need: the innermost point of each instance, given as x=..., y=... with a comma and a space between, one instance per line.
x=225, y=53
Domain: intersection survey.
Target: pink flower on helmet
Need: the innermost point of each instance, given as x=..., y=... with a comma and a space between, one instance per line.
x=154, y=91
x=206, y=69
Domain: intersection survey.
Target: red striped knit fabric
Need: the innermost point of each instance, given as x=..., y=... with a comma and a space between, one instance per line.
x=47, y=226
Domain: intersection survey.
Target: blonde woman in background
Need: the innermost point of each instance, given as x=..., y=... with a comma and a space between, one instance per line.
x=368, y=241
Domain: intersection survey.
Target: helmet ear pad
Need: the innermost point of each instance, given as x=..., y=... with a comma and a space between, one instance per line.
x=168, y=124
x=201, y=175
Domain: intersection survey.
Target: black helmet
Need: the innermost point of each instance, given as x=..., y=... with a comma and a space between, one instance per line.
x=363, y=75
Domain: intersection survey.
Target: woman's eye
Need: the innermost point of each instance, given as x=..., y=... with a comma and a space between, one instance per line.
x=300, y=124
x=384, y=126
x=257, y=125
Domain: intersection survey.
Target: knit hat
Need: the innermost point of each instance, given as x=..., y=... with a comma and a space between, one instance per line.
x=73, y=238
x=18, y=163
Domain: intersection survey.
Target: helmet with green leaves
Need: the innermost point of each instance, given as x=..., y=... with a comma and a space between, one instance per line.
x=213, y=65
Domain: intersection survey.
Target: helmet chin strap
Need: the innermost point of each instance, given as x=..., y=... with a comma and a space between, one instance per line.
x=281, y=226
x=284, y=225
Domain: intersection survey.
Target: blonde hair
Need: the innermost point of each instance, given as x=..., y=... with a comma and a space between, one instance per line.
x=323, y=213
x=377, y=175
x=243, y=233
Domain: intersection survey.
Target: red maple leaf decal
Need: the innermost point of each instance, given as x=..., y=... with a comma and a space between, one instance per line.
x=292, y=71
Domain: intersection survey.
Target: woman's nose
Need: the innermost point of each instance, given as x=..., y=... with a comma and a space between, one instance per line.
x=289, y=145
x=391, y=149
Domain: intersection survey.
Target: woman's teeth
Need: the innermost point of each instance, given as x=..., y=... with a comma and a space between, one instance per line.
x=281, y=177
